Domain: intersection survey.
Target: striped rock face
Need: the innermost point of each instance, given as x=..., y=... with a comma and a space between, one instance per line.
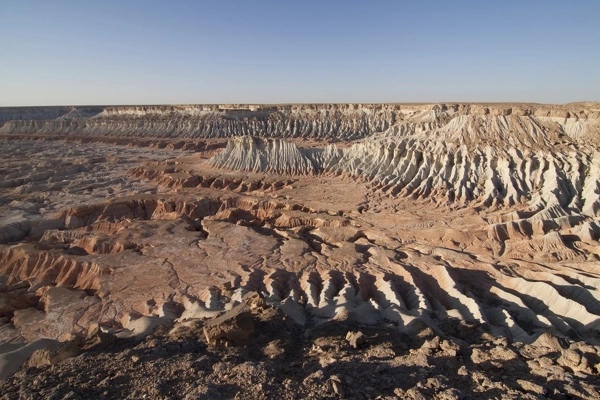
x=456, y=218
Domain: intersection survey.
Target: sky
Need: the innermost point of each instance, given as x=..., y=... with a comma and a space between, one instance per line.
x=108, y=52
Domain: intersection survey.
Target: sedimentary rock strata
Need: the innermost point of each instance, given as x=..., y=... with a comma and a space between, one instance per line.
x=332, y=121
x=459, y=220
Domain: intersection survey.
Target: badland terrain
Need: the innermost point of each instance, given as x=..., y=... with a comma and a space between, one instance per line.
x=300, y=251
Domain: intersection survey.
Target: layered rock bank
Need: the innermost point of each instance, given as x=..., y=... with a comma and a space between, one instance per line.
x=331, y=121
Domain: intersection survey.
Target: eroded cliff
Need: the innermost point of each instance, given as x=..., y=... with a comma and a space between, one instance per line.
x=330, y=121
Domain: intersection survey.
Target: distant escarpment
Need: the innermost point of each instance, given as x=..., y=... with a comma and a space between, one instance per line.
x=322, y=121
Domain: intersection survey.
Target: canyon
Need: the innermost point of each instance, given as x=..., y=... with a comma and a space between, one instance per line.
x=464, y=232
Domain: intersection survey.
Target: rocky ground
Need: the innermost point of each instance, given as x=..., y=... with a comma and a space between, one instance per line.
x=254, y=351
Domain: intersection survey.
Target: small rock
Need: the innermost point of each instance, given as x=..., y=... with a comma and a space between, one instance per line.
x=234, y=326
x=540, y=368
x=274, y=349
x=326, y=361
x=254, y=300
x=315, y=377
x=450, y=348
x=202, y=363
x=545, y=361
x=551, y=342
x=480, y=379
x=336, y=384
x=71, y=396
x=414, y=394
x=97, y=336
x=49, y=356
x=433, y=344
x=573, y=359
x=450, y=394
x=531, y=387
x=356, y=339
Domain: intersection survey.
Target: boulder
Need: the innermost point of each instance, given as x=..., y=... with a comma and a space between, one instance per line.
x=51, y=356
x=234, y=326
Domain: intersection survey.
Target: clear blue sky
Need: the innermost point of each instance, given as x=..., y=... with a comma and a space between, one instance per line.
x=164, y=52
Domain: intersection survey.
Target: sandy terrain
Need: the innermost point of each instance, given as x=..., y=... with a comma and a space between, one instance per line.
x=472, y=225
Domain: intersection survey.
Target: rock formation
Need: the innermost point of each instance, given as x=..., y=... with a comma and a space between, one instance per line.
x=465, y=223
x=331, y=121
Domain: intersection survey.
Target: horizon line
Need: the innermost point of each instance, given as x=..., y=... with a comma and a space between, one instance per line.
x=301, y=103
